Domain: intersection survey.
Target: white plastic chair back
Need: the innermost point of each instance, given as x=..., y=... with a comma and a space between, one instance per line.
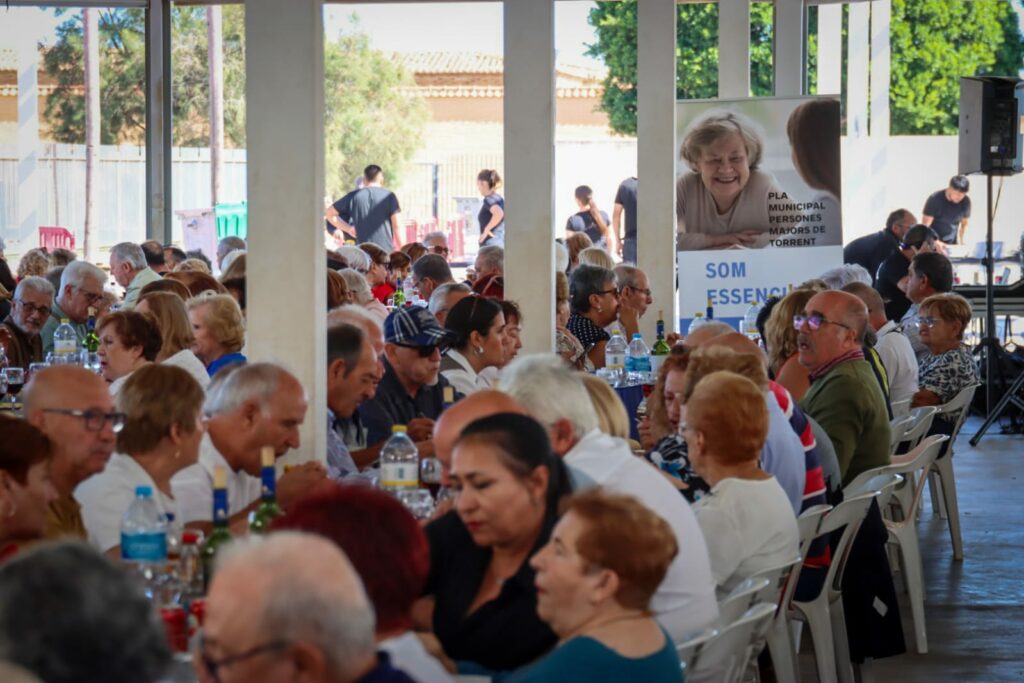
x=724, y=659
x=961, y=400
x=918, y=461
x=900, y=408
x=808, y=523
x=691, y=650
x=740, y=599
x=922, y=422
x=850, y=513
x=882, y=482
x=898, y=427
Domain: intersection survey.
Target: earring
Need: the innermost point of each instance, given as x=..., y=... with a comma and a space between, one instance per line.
x=14, y=509
x=177, y=454
x=479, y=350
x=600, y=310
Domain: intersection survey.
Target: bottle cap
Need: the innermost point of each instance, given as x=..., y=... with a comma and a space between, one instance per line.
x=220, y=477
x=449, y=394
x=65, y=321
x=92, y=312
x=190, y=538
x=143, y=491
x=267, y=456
x=399, y=429
x=637, y=335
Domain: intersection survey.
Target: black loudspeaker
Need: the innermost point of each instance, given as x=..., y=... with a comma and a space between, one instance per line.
x=991, y=125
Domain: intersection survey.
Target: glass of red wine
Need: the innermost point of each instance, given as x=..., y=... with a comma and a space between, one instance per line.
x=15, y=380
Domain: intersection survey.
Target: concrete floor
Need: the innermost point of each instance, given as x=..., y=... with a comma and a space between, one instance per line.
x=974, y=608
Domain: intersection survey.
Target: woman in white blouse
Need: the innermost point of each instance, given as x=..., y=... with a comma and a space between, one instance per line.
x=480, y=344
x=128, y=341
x=168, y=310
x=161, y=435
x=747, y=519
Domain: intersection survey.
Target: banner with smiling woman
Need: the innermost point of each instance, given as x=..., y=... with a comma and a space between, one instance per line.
x=758, y=199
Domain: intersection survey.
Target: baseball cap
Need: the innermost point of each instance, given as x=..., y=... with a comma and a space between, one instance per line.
x=416, y=326
x=917, y=235
x=960, y=183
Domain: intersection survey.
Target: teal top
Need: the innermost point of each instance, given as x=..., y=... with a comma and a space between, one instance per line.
x=586, y=660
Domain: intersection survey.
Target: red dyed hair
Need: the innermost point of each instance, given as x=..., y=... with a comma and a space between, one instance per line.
x=382, y=540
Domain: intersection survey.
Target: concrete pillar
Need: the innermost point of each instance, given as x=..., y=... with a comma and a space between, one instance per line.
x=858, y=193
x=830, y=49
x=790, y=40
x=733, y=49
x=158, y=121
x=29, y=181
x=881, y=14
x=285, y=129
x=656, y=158
x=529, y=109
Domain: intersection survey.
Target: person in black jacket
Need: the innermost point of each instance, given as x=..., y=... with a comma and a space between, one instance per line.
x=896, y=267
x=870, y=250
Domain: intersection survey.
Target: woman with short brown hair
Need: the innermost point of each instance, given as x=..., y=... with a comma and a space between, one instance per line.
x=172, y=319
x=128, y=340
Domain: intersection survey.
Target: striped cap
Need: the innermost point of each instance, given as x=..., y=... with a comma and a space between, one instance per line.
x=415, y=326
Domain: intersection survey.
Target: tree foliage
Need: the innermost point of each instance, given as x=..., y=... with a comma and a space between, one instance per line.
x=933, y=43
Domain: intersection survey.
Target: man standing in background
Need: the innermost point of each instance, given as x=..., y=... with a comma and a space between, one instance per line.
x=947, y=211
x=625, y=202
x=369, y=214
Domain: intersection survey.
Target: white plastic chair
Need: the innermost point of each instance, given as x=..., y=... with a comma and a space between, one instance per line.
x=824, y=614
x=725, y=658
x=923, y=417
x=898, y=427
x=691, y=650
x=942, y=469
x=880, y=480
x=808, y=523
x=741, y=598
x=900, y=408
x=780, y=641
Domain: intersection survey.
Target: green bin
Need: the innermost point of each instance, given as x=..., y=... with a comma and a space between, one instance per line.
x=232, y=219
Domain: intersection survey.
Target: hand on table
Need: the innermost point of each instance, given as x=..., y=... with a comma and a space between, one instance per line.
x=420, y=429
x=297, y=481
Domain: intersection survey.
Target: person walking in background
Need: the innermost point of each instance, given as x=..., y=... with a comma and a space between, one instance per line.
x=369, y=214
x=625, y=203
x=492, y=211
x=947, y=211
x=589, y=219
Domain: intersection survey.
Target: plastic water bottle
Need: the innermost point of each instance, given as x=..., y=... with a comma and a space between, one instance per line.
x=190, y=567
x=750, y=322
x=399, y=462
x=615, y=357
x=638, y=360
x=697, y=322
x=408, y=290
x=65, y=341
x=144, y=540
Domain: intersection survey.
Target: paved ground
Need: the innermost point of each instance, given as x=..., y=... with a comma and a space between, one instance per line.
x=974, y=608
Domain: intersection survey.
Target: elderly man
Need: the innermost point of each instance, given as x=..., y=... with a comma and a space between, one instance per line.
x=930, y=273
x=174, y=256
x=893, y=348
x=81, y=288
x=155, y=258
x=351, y=379
x=73, y=407
x=844, y=398
x=130, y=269
x=555, y=396
x=69, y=614
x=437, y=243
x=351, y=429
x=226, y=246
x=412, y=390
x=295, y=605
x=870, y=250
x=247, y=408
x=449, y=426
x=634, y=299
x=19, y=332
x=430, y=272
x=444, y=297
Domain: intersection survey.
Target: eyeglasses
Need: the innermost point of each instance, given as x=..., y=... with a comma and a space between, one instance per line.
x=440, y=250
x=424, y=351
x=212, y=665
x=95, y=420
x=90, y=297
x=613, y=292
x=645, y=292
x=815, y=321
x=31, y=308
x=928, y=321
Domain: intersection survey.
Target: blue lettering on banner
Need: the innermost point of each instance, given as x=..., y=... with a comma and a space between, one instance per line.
x=745, y=295
x=725, y=269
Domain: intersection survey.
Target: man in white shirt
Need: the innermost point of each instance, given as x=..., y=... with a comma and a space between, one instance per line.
x=893, y=347
x=634, y=300
x=685, y=602
x=252, y=406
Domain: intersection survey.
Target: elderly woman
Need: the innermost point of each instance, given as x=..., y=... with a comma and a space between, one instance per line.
x=576, y=243
x=388, y=549
x=362, y=296
x=168, y=310
x=509, y=484
x=167, y=284
x=161, y=434
x=357, y=259
x=596, y=256
x=25, y=488
x=128, y=340
x=337, y=290
x=950, y=368
x=377, y=274
x=594, y=300
x=479, y=326
x=197, y=282
x=723, y=201
x=219, y=331
x=34, y=262
x=747, y=519
x=780, y=340
x=566, y=345
x=193, y=264
x=595, y=578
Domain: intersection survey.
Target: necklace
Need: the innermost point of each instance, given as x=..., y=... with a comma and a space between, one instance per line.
x=585, y=630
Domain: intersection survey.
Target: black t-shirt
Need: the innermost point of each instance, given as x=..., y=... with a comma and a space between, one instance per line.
x=502, y=634
x=626, y=196
x=946, y=215
x=584, y=222
x=485, y=215
x=369, y=211
x=869, y=251
x=892, y=270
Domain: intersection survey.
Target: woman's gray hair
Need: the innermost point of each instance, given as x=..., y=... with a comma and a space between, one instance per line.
x=77, y=272
x=840, y=276
x=587, y=280
x=596, y=256
x=561, y=257
x=355, y=257
x=716, y=124
x=439, y=296
x=358, y=285
x=130, y=253
x=233, y=387
x=34, y=283
x=551, y=390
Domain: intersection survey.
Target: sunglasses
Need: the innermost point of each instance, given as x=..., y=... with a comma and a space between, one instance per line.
x=815, y=321
x=424, y=351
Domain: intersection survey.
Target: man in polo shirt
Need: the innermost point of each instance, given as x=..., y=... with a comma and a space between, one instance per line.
x=351, y=379
x=930, y=273
x=411, y=393
x=893, y=348
x=19, y=332
x=890, y=280
x=870, y=250
x=247, y=408
x=947, y=211
x=81, y=288
x=129, y=267
x=844, y=398
x=430, y=272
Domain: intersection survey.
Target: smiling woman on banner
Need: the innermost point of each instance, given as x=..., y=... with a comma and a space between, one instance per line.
x=724, y=201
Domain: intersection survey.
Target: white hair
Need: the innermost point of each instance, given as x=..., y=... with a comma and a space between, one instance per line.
x=354, y=256
x=561, y=257
x=596, y=256
x=230, y=258
x=34, y=283
x=437, y=234
x=840, y=276
x=130, y=253
x=77, y=272
x=233, y=387
x=358, y=285
x=313, y=595
x=550, y=390
x=627, y=275
x=440, y=295
x=491, y=257
x=353, y=315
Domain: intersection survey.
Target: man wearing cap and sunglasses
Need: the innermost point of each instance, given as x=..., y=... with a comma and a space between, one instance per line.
x=891, y=279
x=412, y=389
x=947, y=211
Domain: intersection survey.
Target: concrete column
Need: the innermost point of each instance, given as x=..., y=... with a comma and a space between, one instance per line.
x=656, y=158
x=733, y=48
x=881, y=73
x=529, y=109
x=158, y=121
x=285, y=129
x=29, y=186
x=830, y=49
x=858, y=192
x=790, y=40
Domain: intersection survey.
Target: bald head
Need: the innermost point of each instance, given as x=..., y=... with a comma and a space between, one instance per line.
x=708, y=330
x=65, y=387
x=737, y=342
x=841, y=330
x=452, y=421
x=872, y=300
x=843, y=307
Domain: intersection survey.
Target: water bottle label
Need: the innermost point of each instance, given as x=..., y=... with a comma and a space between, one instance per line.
x=615, y=361
x=144, y=547
x=640, y=364
x=395, y=475
x=64, y=346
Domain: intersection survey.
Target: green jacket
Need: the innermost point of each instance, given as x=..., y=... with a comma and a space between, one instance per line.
x=51, y=325
x=848, y=404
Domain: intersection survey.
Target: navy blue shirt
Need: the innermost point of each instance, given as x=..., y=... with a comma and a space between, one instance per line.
x=946, y=215
x=869, y=251
x=892, y=270
x=394, y=406
x=385, y=673
x=369, y=211
x=626, y=196
x=584, y=222
x=485, y=215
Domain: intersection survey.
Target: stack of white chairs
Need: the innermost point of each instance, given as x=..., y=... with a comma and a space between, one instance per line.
x=722, y=655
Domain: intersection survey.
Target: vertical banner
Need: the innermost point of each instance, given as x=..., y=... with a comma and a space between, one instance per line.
x=758, y=200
